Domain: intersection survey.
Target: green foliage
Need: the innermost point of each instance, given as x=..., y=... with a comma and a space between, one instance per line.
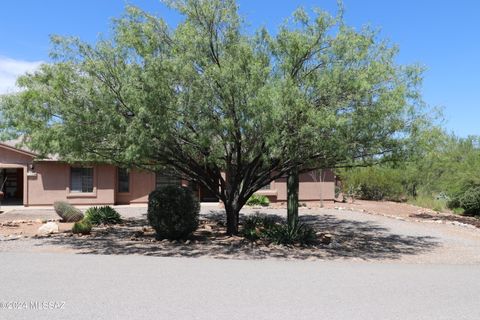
x=231, y=108
x=67, y=212
x=297, y=234
x=102, y=215
x=443, y=174
x=279, y=232
x=374, y=183
x=173, y=212
x=258, y=200
x=430, y=202
x=254, y=226
x=82, y=227
x=470, y=201
x=458, y=210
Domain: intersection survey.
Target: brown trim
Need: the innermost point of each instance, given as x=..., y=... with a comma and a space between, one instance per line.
x=24, y=152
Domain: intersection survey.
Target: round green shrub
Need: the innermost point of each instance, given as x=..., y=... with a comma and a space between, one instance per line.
x=67, y=212
x=470, y=201
x=102, y=215
x=173, y=212
x=82, y=227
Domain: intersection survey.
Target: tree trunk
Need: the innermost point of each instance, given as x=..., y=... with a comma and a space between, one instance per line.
x=232, y=211
x=292, y=197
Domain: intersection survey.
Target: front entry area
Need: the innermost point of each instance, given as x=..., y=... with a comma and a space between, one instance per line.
x=11, y=184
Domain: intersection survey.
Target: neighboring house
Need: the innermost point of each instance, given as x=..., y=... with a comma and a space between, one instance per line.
x=39, y=182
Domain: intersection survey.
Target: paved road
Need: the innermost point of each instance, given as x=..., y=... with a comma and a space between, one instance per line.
x=138, y=287
x=415, y=271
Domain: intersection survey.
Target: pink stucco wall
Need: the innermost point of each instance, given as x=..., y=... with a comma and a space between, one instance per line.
x=49, y=181
x=312, y=188
x=52, y=183
x=141, y=184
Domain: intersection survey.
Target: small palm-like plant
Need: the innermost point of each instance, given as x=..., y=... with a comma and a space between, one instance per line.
x=102, y=215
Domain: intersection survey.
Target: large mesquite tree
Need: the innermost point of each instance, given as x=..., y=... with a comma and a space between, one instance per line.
x=215, y=104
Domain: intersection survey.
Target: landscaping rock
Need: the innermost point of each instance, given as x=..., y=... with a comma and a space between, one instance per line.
x=48, y=228
x=326, y=238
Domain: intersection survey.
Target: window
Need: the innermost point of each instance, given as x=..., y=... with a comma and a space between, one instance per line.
x=81, y=179
x=162, y=180
x=123, y=180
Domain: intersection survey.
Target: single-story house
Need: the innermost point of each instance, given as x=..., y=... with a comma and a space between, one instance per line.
x=28, y=180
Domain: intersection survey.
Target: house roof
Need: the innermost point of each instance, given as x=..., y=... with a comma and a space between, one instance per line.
x=13, y=146
x=16, y=145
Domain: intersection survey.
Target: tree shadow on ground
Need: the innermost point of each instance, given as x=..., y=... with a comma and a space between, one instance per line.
x=352, y=239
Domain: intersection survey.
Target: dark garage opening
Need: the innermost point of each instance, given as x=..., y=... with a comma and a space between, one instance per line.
x=11, y=184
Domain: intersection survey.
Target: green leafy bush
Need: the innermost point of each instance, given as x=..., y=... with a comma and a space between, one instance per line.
x=374, y=183
x=173, y=212
x=454, y=203
x=82, y=227
x=258, y=200
x=67, y=212
x=102, y=215
x=470, y=201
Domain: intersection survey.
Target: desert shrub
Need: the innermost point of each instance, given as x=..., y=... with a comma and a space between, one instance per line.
x=254, y=226
x=374, y=183
x=284, y=234
x=102, y=215
x=277, y=231
x=454, y=203
x=470, y=201
x=258, y=200
x=173, y=212
x=438, y=204
x=67, y=212
x=458, y=211
x=82, y=227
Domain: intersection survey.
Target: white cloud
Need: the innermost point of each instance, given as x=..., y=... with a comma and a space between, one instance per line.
x=10, y=69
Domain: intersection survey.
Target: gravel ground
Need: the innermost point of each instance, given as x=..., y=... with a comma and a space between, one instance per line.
x=357, y=236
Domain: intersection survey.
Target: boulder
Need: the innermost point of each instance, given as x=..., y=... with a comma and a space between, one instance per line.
x=48, y=228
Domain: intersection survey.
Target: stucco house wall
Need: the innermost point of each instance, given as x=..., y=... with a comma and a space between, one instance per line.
x=141, y=184
x=47, y=181
x=312, y=187
x=51, y=182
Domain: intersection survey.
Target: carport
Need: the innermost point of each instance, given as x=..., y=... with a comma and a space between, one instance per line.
x=14, y=164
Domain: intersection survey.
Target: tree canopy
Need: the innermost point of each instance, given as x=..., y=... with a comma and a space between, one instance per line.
x=217, y=104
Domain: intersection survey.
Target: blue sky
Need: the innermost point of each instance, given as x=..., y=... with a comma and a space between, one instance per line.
x=443, y=36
